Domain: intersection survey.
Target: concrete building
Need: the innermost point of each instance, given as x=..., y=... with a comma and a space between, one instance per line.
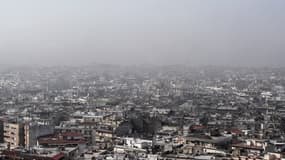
x=88, y=133
x=14, y=134
x=33, y=131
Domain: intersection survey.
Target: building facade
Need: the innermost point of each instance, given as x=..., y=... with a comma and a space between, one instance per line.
x=14, y=134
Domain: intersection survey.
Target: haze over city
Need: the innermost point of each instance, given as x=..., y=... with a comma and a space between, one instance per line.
x=142, y=80
x=191, y=32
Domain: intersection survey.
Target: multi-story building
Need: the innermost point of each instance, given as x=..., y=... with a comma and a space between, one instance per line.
x=88, y=131
x=14, y=134
x=33, y=131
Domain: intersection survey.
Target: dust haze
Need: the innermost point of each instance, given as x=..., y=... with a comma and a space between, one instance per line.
x=191, y=32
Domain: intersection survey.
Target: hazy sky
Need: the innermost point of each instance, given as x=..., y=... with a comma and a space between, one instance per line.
x=195, y=32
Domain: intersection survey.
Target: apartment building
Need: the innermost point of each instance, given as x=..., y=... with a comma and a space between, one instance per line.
x=14, y=134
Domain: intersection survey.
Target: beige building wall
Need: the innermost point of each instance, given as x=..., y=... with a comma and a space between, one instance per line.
x=13, y=134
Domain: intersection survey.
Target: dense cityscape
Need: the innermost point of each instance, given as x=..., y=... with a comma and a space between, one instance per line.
x=111, y=112
x=142, y=80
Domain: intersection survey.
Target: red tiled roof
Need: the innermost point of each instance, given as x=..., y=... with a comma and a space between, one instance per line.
x=196, y=127
x=235, y=131
x=58, y=156
x=60, y=138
